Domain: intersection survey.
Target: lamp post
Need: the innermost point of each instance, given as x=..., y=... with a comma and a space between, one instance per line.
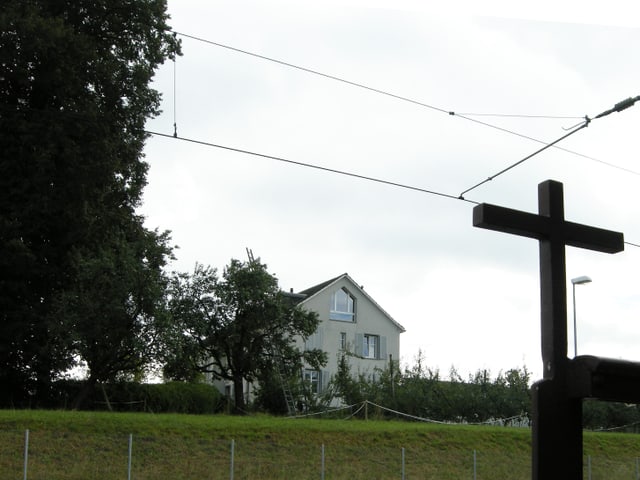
x=577, y=281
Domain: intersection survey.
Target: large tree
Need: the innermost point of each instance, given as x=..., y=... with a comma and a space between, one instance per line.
x=238, y=327
x=74, y=97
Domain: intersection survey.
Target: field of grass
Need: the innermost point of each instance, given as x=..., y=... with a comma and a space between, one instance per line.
x=94, y=445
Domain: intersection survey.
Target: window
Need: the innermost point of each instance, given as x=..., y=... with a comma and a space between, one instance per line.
x=370, y=346
x=343, y=340
x=342, y=306
x=312, y=379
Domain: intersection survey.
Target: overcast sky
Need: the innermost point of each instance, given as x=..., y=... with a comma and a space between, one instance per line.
x=467, y=297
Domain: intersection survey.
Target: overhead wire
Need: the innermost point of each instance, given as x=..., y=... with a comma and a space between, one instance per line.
x=580, y=127
x=175, y=121
x=517, y=115
x=618, y=107
x=325, y=169
x=313, y=166
x=315, y=72
x=464, y=116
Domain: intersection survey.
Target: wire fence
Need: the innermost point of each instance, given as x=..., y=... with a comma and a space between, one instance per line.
x=362, y=409
x=33, y=455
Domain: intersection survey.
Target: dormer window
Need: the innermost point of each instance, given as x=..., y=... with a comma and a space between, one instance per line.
x=342, y=306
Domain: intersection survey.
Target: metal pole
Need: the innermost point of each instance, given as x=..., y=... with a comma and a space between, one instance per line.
x=474, y=465
x=575, y=328
x=233, y=448
x=637, y=468
x=403, y=463
x=322, y=463
x=26, y=452
x=589, y=467
x=130, y=450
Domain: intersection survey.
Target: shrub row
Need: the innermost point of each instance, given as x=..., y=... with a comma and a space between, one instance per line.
x=173, y=397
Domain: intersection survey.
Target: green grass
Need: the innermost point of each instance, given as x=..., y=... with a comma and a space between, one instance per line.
x=94, y=445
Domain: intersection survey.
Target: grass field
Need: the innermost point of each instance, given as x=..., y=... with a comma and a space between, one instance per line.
x=94, y=445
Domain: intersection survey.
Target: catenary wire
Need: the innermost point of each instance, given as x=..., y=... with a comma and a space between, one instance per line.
x=513, y=165
x=516, y=115
x=175, y=121
x=464, y=116
x=325, y=169
x=316, y=167
x=361, y=85
x=618, y=107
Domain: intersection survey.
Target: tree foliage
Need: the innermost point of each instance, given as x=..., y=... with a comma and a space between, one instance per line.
x=239, y=327
x=74, y=97
x=421, y=392
x=115, y=310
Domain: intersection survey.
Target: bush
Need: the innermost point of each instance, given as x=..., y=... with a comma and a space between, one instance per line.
x=181, y=397
x=173, y=397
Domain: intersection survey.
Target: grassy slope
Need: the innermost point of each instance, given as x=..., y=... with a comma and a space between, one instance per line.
x=85, y=445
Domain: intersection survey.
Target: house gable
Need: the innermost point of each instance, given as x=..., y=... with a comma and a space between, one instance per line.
x=353, y=324
x=346, y=282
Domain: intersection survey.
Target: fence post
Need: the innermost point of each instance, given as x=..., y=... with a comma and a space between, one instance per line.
x=233, y=449
x=130, y=451
x=637, y=468
x=589, y=467
x=26, y=452
x=322, y=463
x=474, y=465
x=403, y=463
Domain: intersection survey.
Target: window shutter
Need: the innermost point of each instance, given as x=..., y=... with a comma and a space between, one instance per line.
x=358, y=345
x=323, y=381
x=316, y=340
x=383, y=348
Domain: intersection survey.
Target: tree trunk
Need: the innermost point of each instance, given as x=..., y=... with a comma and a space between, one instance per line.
x=238, y=394
x=84, y=392
x=106, y=397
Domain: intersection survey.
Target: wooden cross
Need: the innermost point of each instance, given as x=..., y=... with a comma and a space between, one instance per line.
x=557, y=413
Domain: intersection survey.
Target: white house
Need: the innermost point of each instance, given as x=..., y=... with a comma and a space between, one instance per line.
x=350, y=321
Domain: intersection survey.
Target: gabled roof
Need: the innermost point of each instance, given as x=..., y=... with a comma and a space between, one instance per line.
x=315, y=290
x=310, y=292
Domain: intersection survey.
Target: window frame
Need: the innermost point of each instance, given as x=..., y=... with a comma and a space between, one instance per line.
x=369, y=341
x=312, y=378
x=342, y=315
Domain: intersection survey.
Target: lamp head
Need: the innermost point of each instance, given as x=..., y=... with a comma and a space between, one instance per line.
x=580, y=280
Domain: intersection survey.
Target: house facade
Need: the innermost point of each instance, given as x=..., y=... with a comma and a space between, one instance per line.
x=351, y=323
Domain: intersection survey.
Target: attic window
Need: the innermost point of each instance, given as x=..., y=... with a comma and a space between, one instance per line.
x=342, y=306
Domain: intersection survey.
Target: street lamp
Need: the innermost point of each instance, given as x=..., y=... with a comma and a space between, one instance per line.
x=577, y=281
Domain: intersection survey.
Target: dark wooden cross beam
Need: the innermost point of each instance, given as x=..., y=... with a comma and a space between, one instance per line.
x=557, y=413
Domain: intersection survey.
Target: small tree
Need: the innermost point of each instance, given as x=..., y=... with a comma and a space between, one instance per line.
x=239, y=327
x=114, y=313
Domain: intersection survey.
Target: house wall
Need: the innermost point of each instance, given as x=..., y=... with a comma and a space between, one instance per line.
x=369, y=320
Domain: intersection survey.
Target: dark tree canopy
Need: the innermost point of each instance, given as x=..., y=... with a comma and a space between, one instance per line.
x=236, y=327
x=74, y=97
